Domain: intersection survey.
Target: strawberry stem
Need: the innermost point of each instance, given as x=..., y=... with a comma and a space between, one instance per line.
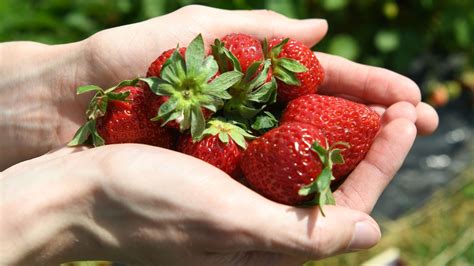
x=321, y=185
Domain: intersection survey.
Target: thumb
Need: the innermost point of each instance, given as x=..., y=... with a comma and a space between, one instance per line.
x=300, y=232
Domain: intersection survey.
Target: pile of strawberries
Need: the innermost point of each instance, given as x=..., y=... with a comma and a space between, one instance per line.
x=249, y=108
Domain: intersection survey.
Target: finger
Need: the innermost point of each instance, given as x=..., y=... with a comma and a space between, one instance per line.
x=399, y=110
x=364, y=185
x=304, y=233
x=372, y=84
x=427, y=120
x=259, y=23
x=295, y=232
x=267, y=23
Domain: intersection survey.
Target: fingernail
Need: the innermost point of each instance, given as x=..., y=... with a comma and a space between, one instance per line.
x=365, y=236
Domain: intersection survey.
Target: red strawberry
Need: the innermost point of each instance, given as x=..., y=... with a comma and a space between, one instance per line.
x=341, y=120
x=285, y=164
x=294, y=79
x=154, y=69
x=119, y=115
x=190, y=86
x=221, y=145
x=245, y=48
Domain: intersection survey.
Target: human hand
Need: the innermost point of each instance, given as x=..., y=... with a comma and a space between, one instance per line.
x=55, y=112
x=145, y=205
x=144, y=41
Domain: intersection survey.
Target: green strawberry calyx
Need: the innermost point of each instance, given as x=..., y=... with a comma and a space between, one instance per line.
x=226, y=130
x=253, y=92
x=321, y=186
x=264, y=122
x=97, y=108
x=190, y=84
x=284, y=69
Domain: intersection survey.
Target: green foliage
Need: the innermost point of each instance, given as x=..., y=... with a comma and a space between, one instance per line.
x=386, y=33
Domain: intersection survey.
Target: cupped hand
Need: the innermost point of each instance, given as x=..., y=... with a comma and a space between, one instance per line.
x=145, y=205
x=126, y=52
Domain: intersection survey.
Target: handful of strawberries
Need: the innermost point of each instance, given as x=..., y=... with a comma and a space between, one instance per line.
x=248, y=108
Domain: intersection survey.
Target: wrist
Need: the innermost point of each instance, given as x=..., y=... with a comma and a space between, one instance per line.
x=50, y=220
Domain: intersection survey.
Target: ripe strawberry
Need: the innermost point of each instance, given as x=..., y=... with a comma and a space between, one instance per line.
x=191, y=85
x=290, y=163
x=221, y=145
x=245, y=48
x=341, y=120
x=296, y=68
x=119, y=115
x=154, y=69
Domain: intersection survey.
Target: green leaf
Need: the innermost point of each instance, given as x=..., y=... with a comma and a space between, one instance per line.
x=324, y=179
x=224, y=57
x=223, y=137
x=164, y=89
x=185, y=122
x=194, y=55
x=168, y=107
x=336, y=156
x=208, y=70
x=248, y=112
x=291, y=65
x=251, y=70
x=87, y=88
x=286, y=76
x=121, y=96
x=97, y=140
x=82, y=134
x=262, y=76
x=225, y=81
x=238, y=139
x=198, y=122
x=235, y=62
x=174, y=69
x=264, y=122
x=321, y=151
x=265, y=94
x=153, y=83
x=170, y=117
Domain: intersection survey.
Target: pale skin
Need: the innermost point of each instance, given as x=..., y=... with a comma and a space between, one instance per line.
x=145, y=205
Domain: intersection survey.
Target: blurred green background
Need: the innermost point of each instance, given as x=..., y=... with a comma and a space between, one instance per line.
x=430, y=41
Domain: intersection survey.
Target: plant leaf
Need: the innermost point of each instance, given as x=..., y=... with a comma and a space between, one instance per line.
x=87, y=88
x=82, y=134
x=264, y=122
x=225, y=81
x=97, y=140
x=321, y=151
x=286, y=76
x=336, y=156
x=291, y=65
x=194, y=55
x=198, y=122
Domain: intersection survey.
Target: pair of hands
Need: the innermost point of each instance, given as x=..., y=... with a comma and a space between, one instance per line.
x=141, y=204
